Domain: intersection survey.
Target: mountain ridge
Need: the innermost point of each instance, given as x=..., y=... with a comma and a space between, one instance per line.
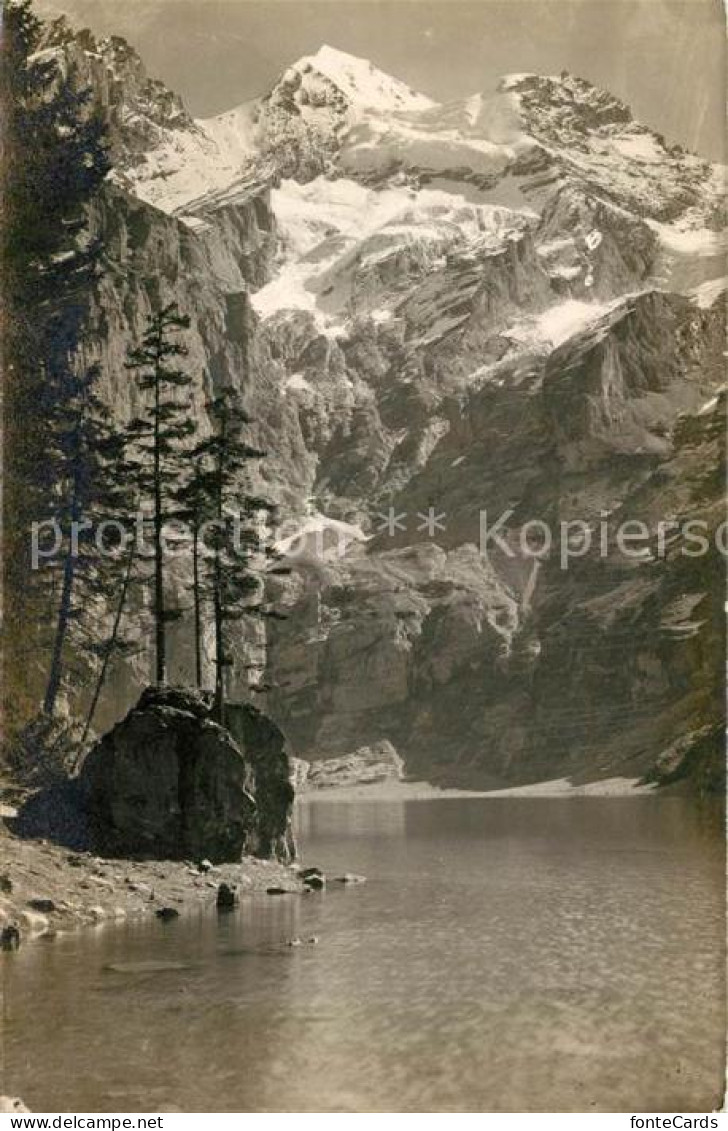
x=555, y=107
x=433, y=308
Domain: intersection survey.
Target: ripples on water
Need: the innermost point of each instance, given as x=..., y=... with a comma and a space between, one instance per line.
x=506, y=955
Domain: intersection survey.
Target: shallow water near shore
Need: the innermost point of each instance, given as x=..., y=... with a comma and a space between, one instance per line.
x=506, y=954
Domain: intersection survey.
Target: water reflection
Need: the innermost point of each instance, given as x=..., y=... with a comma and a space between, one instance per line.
x=505, y=954
x=315, y=822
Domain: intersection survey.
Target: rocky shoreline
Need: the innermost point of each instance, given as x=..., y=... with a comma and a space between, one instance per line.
x=169, y=811
x=419, y=790
x=45, y=889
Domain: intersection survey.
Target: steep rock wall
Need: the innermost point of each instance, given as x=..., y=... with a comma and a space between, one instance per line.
x=506, y=352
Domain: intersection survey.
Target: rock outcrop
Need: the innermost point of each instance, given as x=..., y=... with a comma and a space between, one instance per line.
x=169, y=782
x=366, y=766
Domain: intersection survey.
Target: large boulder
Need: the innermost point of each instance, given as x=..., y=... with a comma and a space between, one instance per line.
x=168, y=782
x=266, y=749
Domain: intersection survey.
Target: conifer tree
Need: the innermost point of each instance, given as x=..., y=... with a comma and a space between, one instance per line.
x=224, y=456
x=90, y=489
x=54, y=160
x=115, y=644
x=238, y=555
x=195, y=509
x=158, y=438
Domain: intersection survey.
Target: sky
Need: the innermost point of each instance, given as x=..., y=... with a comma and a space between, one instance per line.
x=665, y=58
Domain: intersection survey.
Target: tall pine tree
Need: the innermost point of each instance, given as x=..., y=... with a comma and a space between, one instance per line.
x=158, y=438
x=54, y=161
x=237, y=554
x=90, y=489
x=195, y=510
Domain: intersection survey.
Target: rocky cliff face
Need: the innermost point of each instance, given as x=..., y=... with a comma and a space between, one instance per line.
x=510, y=304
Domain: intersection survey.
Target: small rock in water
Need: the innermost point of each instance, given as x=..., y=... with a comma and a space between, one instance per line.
x=295, y=942
x=34, y=922
x=314, y=883
x=276, y=891
x=10, y=938
x=43, y=905
x=227, y=896
x=313, y=940
x=307, y=873
x=350, y=878
x=6, y=884
x=167, y=913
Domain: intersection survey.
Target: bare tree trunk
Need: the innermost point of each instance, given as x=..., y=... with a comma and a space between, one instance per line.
x=198, y=609
x=159, y=622
x=219, y=642
x=64, y=614
x=111, y=643
x=217, y=588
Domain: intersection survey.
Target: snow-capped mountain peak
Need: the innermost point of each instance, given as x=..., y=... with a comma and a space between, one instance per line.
x=299, y=125
x=362, y=84
x=532, y=139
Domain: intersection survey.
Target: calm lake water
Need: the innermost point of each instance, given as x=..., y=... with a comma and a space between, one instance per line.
x=506, y=954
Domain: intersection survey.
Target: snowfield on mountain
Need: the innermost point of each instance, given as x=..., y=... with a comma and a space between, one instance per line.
x=512, y=302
